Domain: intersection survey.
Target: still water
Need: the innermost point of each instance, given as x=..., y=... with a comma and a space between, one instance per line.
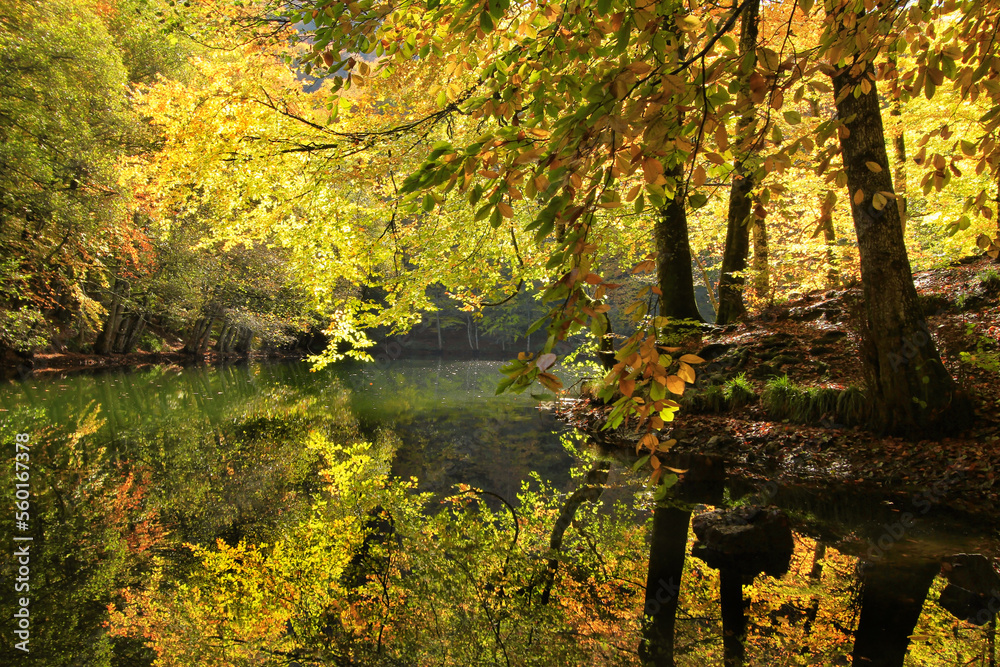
x=268, y=515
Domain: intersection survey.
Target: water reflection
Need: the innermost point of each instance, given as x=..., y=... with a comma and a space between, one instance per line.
x=261, y=515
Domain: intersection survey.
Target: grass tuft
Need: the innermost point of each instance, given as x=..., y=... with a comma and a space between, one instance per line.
x=738, y=392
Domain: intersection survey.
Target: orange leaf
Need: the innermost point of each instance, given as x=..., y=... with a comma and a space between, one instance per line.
x=692, y=359
x=627, y=386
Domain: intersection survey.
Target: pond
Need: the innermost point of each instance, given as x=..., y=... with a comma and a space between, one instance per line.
x=405, y=515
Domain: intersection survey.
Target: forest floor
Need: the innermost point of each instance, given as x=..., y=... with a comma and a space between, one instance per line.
x=815, y=341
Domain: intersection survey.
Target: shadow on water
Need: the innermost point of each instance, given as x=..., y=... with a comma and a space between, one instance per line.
x=259, y=514
x=906, y=593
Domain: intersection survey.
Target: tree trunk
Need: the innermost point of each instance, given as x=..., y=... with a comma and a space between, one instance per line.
x=131, y=328
x=440, y=343
x=830, y=236
x=891, y=600
x=734, y=620
x=197, y=332
x=105, y=343
x=913, y=391
x=761, y=273
x=220, y=344
x=673, y=259
x=898, y=139
x=206, y=337
x=667, y=550
x=734, y=256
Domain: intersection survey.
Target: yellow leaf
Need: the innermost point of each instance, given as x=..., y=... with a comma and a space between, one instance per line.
x=692, y=359
x=873, y=166
x=675, y=385
x=859, y=197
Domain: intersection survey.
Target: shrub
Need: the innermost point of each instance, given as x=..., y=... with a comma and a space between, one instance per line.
x=990, y=278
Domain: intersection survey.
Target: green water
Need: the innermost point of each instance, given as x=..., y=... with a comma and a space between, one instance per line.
x=220, y=506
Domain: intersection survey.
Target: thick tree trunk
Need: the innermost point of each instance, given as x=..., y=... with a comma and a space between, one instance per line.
x=914, y=391
x=734, y=620
x=891, y=600
x=898, y=139
x=667, y=550
x=734, y=256
x=130, y=330
x=673, y=260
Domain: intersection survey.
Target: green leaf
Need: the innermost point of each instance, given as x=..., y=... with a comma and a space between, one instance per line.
x=641, y=462
x=793, y=117
x=486, y=22
x=538, y=324
x=697, y=201
x=504, y=384
x=483, y=212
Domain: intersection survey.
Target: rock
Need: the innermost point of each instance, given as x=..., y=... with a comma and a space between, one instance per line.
x=828, y=308
x=748, y=540
x=966, y=605
x=830, y=337
x=973, y=572
x=764, y=372
x=820, y=349
x=782, y=359
x=715, y=350
x=973, y=590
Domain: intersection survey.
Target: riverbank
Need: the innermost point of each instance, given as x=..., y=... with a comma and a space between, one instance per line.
x=72, y=362
x=814, y=342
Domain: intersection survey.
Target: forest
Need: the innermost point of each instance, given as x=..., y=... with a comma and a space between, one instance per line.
x=236, y=176
x=762, y=230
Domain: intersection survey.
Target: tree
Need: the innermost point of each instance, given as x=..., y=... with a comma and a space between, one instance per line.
x=913, y=389
x=739, y=219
